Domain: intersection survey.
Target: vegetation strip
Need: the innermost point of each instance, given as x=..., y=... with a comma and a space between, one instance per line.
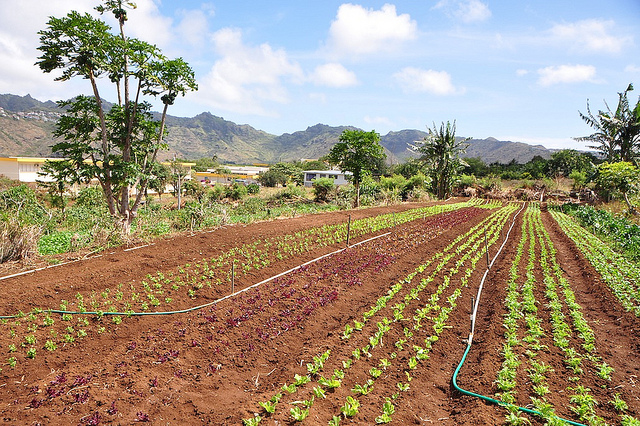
x=512, y=366
x=622, y=276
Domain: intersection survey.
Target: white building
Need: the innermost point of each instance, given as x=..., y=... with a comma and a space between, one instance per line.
x=24, y=169
x=339, y=178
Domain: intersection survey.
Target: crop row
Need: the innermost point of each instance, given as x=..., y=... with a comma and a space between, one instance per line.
x=526, y=339
x=621, y=275
x=214, y=276
x=41, y=330
x=624, y=234
x=398, y=317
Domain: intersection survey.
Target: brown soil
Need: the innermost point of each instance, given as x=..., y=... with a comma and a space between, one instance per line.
x=213, y=365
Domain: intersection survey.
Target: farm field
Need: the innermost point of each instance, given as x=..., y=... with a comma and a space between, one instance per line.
x=368, y=334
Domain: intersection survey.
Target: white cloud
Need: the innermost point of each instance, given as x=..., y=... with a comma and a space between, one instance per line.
x=590, y=35
x=193, y=27
x=632, y=68
x=360, y=31
x=246, y=77
x=147, y=23
x=521, y=72
x=333, y=75
x=467, y=11
x=417, y=80
x=18, y=48
x=566, y=74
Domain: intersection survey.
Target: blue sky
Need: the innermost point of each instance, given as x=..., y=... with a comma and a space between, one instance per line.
x=514, y=70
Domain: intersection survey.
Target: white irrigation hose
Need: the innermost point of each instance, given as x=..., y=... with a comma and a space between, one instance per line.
x=215, y=301
x=486, y=272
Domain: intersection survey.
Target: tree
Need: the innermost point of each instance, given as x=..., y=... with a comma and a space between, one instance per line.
x=565, y=161
x=206, y=163
x=617, y=133
x=358, y=152
x=160, y=176
x=622, y=177
x=116, y=146
x=272, y=178
x=441, y=151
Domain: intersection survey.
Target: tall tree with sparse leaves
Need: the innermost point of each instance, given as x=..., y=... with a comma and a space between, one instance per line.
x=358, y=152
x=442, y=152
x=116, y=146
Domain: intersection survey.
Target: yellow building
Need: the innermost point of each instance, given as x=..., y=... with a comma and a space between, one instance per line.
x=24, y=169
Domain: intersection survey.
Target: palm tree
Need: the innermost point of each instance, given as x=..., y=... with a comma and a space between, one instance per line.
x=617, y=133
x=441, y=151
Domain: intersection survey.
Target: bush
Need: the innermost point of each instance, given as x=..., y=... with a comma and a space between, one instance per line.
x=194, y=189
x=253, y=188
x=91, y=197
x=215, y=193
x=252, y=205
x=322, y=189
x=417, y=183
x=22, y=202
x=289, y=193
x=237, y=191
x=394, y=182
x=17, y=241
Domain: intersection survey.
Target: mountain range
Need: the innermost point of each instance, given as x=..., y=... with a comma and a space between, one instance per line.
x=26, y=129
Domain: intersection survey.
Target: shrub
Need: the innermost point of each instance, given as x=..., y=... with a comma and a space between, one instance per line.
x=252, y=205
x=21, y=202
x=17, y=241
x=194, y=189
x=322, y=189
x=417, y=183
x=215, y=193
x=289, y=193
x=393, y=182
x=253, y=188
x=237, y=191
x=90, y=197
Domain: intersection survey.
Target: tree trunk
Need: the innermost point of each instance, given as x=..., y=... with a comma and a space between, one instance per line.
x=631, y=207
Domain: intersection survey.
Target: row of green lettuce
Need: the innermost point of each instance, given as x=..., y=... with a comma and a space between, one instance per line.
x=619, y=231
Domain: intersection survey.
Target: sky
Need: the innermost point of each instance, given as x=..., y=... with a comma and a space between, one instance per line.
x=514, y=70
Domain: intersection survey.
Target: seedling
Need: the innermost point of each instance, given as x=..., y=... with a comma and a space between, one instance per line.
x=350, y=407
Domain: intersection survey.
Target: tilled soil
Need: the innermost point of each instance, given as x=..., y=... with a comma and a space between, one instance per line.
x=214, y=365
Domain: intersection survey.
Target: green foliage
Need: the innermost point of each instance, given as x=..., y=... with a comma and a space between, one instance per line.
x=237, y=191
x=253, y=189
x=194, y=189
x=622, y=178
x=282, y=174
x=91, y=197
x=441, y=151
x=22, y=202
x=357, y=152
x=617, y=134
x=55, y=243
x=322, y=189
x=272, y=178
x=118, y=146
x=566, y=161
x=579, y=179
x=624, y=234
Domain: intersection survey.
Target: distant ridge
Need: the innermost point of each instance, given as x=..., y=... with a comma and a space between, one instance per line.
x=26, y=127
